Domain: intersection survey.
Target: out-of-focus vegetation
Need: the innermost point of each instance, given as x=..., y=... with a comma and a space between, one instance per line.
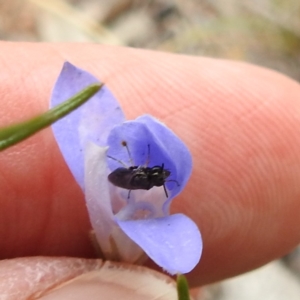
x=264, y=32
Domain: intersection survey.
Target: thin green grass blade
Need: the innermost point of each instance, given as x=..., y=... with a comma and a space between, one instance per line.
x=182, y=288
x=16, y=133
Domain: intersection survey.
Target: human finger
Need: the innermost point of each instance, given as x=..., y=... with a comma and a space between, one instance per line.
x=238, y=120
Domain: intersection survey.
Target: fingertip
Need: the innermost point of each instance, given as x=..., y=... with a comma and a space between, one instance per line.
x=239, y=121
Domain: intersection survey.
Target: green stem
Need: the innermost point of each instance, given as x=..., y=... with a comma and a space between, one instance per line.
x=16, y=133
x=182, y=288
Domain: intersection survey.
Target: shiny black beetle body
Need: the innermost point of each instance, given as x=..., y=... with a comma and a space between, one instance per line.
x=139, y=178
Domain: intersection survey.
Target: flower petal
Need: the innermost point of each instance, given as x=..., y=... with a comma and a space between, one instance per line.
x=172, y=242
x=177, y=150
x=97, y=194
x=151, y=143
x=114, y=244
x=92, y=121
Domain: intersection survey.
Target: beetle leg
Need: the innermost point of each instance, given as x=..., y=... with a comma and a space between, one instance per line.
x=165, y=190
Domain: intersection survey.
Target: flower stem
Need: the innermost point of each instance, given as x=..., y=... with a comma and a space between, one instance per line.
x=182, y=288
x=15, y=133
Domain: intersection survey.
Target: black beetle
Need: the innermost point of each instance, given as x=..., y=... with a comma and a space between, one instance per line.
x=139, y=177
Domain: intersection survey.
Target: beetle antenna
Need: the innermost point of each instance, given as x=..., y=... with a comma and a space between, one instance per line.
x=148, y=157
x=119, y=161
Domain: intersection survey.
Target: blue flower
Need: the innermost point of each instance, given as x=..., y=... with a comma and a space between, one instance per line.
x=95, y=140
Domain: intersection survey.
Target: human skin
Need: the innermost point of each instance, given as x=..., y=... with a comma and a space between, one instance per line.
x=240, y=122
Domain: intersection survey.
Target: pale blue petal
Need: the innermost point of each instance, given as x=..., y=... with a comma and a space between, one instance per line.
x=179, y=154
x=177, y=150
x=97, y=195
x=174, y=242
x=92, y=121
x=165, y=148
x=113, y=242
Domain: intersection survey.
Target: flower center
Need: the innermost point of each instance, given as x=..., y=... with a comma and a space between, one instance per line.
x=136, y=211
x=141, y=214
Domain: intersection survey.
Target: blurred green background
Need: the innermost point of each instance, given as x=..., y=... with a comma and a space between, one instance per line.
x=263, y=32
